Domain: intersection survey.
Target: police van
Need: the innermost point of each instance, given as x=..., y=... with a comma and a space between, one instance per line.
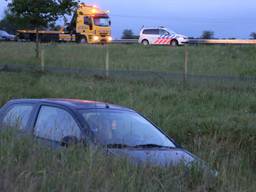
x=161, y=36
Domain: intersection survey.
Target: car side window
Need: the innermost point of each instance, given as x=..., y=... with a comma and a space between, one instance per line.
x=151, y=31
x=164, y=32
x=55, y=124
x=17, y=116
x=145, y=31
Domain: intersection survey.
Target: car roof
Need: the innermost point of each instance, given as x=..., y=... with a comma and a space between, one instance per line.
x=73, y=103
x=154, y=28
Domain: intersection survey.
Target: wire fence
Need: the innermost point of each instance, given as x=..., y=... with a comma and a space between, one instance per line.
x=187, y=65
x=131, y=75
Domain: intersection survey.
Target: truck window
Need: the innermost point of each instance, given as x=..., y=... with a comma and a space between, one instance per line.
x=102, y=21
x=87, y=21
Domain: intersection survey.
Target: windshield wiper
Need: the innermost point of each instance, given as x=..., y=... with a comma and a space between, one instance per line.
x=120, y=146
x=151, y=146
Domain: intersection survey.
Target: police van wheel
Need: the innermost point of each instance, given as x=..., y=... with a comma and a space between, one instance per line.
x=145, y=42
x=174, y=43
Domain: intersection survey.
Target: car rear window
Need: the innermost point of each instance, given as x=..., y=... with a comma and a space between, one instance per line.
x=151, y=31
x=17, y=116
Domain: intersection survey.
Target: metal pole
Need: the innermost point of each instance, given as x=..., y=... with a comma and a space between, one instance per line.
x=107, y=61
x=185, y=77
x=42, y=60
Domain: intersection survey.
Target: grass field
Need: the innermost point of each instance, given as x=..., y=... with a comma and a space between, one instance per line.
x=217, y=123
x=203, y=60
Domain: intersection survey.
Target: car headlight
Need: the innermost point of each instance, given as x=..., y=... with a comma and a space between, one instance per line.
x=96, y=38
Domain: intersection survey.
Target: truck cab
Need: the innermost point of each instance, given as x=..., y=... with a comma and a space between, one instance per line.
x=88, y=25
x=91, y=24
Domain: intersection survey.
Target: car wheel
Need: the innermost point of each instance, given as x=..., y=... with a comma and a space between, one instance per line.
x=174, y=43
x=145, y=42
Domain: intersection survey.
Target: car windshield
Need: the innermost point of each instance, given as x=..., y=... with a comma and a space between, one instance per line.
x=171, y=31
x=123, y=128
x=102, y=21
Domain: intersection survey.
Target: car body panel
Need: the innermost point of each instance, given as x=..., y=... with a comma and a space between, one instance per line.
x=153, y=155
x=156, y=156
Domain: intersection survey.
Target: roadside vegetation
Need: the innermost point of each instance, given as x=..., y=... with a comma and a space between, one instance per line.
x=202, y=60
x=216, y=123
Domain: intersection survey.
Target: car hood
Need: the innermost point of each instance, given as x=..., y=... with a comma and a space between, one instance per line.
x=181, y=36
x=156, y=156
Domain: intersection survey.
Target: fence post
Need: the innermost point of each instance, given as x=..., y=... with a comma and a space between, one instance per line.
x=107, y=61
x=42, y=60
x=185, y=74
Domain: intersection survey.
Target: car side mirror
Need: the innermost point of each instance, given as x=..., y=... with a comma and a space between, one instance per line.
x=109, y=23
x=69, y=141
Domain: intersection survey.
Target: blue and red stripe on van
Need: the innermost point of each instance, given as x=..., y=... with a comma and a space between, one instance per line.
x=164, y=39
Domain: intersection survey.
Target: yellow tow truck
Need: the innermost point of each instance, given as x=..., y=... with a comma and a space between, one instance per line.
x=88, y=25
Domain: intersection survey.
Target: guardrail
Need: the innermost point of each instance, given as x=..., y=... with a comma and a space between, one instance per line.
x=223, y=41
x=200, y=41
x=125, y=41
x=197, y=41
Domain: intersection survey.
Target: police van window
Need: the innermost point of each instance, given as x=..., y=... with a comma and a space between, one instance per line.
x=151, y=31
x=164, y=32
x=55, y=123
x=17, y=116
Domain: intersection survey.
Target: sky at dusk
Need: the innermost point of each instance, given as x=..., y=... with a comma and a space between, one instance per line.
x=227, y=18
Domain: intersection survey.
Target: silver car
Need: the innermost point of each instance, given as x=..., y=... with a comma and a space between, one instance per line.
x=4, y=36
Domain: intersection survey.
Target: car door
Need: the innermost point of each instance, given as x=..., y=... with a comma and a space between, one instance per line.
x=164, y=37
x=151, y=35
x=55, y=125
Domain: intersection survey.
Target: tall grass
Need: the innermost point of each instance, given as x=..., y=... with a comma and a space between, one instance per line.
x=203, y=60
x=215, y=123
x=27, y=166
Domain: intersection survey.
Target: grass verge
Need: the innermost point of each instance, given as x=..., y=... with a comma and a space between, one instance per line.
x=215, y=123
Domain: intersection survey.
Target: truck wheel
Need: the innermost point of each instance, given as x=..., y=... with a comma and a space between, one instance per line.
x=174, y=43
x=145, y=42
x=83, y=40
x=18, y=39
